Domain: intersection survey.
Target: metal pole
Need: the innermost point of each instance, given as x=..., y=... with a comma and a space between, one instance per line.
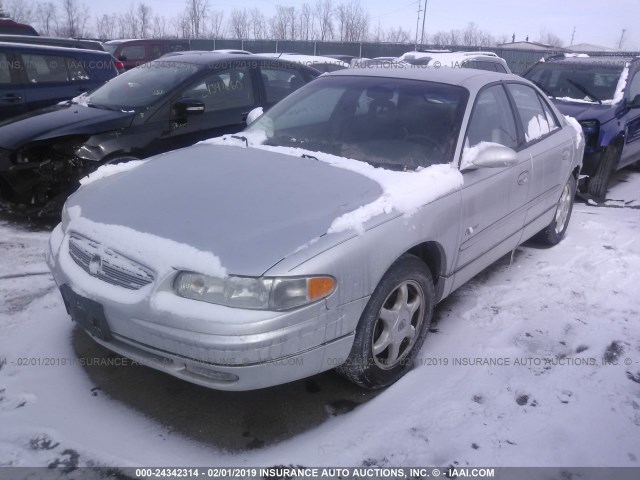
x=417, y=24
x=424, y=16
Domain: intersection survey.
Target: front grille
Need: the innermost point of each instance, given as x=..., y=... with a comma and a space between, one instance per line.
x=107, y=265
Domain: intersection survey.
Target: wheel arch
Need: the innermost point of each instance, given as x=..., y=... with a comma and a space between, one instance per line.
x=434, y=257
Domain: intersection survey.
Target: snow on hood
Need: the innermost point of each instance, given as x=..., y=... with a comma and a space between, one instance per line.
x=162, y=254
x=112, y=169
x=403, y=192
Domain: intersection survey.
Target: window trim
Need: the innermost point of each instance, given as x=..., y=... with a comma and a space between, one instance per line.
x=519, y=132
x=526, y=144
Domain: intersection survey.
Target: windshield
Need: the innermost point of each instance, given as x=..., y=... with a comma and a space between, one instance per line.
x=393, y=123
x=110, y=48
x=141, y=86
x=590, y=82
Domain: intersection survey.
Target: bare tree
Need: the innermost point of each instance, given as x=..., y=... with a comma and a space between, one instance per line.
x=159, y=28
x=283, y=23
x=550, y=38
x=196, y=14
x=21, y=11
x=305, y=22
x=398, y=35
x=46, y=18
x=471, y=35
x=217, y=24
x=323, y=14
x=258, y=24
x=74, y=18
x=239, y=24
x=353, y=21
x=106, y=26
x=143, y=20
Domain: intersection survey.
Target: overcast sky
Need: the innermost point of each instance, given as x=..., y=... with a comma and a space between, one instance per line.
x=595, y=21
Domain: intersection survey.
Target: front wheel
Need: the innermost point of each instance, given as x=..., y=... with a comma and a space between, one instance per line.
x=556, y=230
x=393, y=325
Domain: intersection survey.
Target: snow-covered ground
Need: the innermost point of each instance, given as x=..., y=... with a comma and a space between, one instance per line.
x=535, y=362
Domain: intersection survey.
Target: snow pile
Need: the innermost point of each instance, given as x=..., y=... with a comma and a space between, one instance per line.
x=576, y=55
x=110, y=169
x=81, y=100
x=254, y=114
x=619, y=93
x=469, y=154
x=538, y=126
x=578, y=129
x=164, y=256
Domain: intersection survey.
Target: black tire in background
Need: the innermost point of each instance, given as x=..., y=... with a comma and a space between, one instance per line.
x=397, y=315
x=597, y=185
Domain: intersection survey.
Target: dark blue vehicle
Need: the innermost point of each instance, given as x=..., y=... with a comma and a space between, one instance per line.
x=37, y=76
x=603, y=94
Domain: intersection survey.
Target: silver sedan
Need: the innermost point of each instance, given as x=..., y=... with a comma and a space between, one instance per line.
x=322, y=236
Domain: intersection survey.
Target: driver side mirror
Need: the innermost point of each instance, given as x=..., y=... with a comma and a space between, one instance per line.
x=253, y=115
x=488, y=155
x=188, y=106
x=635, y=103
x=122, y=58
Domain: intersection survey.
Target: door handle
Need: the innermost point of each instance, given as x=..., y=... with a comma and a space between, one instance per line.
x=11, y=97
x=523, y=178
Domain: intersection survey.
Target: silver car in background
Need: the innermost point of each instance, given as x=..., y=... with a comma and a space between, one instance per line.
x=322, y=236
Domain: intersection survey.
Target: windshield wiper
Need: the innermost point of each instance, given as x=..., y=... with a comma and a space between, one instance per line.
x=584, y=90
x=103, y=107
x=304, y=155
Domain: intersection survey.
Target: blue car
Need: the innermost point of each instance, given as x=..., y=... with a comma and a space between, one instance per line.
x=603, y=94
x=37, y=76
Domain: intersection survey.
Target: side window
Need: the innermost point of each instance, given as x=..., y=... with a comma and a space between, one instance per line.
x=133, y=52
x=45, y=68
x=223, y=90
x=77, y=73
x=634, y=86
x=5, y=73
x=551, y=118
x=156, y=51
x=500, y=68
x=492, y=119
x=479, y=65
x=532, y=116
x=280, y=82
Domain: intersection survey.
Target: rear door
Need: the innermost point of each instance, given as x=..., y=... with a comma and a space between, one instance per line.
x=12, y=97
x=551, y=149
x=493, y=199
x=631, y=151
x=278, y=81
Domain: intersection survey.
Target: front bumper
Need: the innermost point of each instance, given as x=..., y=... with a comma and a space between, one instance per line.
x=211, y=345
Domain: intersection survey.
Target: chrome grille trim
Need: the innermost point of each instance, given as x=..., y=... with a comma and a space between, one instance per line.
x=114, y=268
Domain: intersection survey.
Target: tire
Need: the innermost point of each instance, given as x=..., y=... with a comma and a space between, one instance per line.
x=597, y=185
x=406, y=294
x=556, y=230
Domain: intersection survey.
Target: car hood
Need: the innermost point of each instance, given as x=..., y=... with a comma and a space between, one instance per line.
x=586, y=111
x=59, y=121
x=248, y=207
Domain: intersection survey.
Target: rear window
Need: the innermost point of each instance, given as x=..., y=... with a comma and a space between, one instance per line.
x=132, y=52
x=45, y=68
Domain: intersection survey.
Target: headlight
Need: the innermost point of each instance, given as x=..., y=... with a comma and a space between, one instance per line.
x=65, y=218
x=278, y=293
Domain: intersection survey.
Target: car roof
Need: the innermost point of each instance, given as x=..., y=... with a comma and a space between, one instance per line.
x=51, y=48
x=201, y=57
x=306, y=59
x=590, y=59
x=470, y=78
x=52, y=41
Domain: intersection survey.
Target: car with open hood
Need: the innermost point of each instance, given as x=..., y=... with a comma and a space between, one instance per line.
x=603, y=94
x=166, y=104
x=324, y=234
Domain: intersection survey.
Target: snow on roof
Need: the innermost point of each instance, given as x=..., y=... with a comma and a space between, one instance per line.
x=590, y=47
